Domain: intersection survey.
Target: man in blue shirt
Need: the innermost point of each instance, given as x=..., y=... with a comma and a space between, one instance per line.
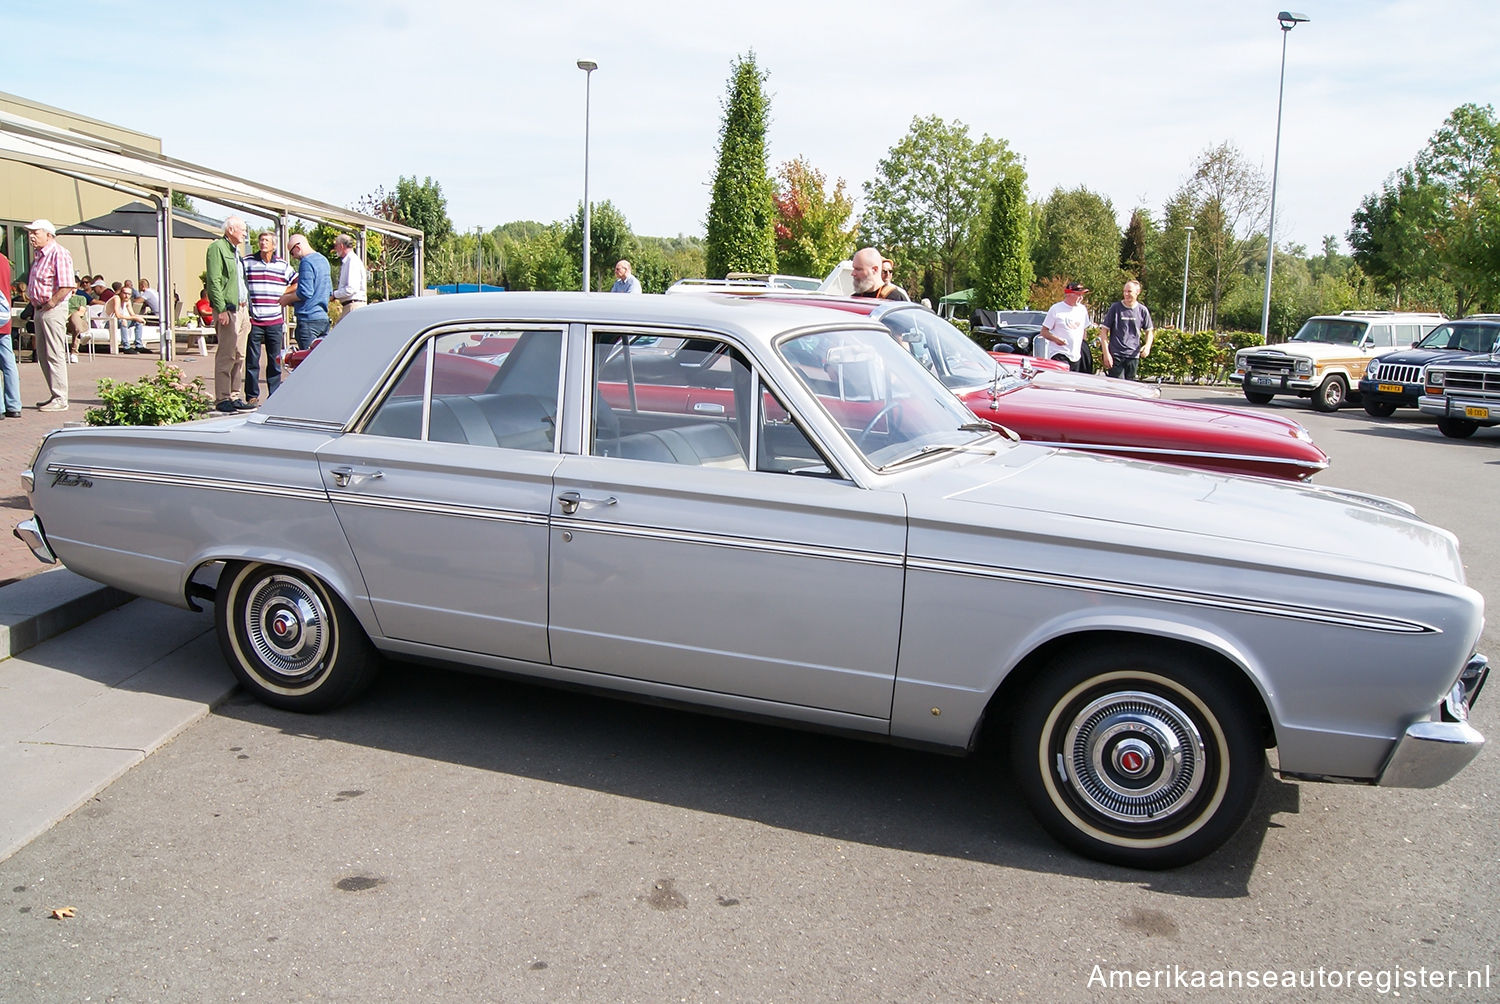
x=309, y=292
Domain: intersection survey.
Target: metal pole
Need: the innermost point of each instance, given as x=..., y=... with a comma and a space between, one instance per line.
x=588, y=67
x=1187, y=256
x=1288, y=21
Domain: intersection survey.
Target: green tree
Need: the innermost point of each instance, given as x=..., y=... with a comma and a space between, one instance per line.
x=741, y=219
x=813, y=232
x=541, y=261
x=610, y=239
x=1462, y=163
x=923, y=207
x=422, y=205
x=1230, y=206
x=1004, y=272
x=1079, y=240
x=1133, y=246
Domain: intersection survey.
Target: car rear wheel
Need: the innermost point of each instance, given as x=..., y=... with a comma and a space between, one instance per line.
x=1379, y=409
x=1147, y=760
x=1257, y=397
x=289, y=641
x=1457, y=428
x=1331, y=394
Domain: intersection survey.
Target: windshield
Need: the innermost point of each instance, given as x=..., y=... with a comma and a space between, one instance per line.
x=1006, y=317
x=946, y=352
x=889, y=405
x=1463, y=337
x=1331, y=331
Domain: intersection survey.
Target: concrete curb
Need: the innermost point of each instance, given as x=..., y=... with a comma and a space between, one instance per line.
x=45, y=605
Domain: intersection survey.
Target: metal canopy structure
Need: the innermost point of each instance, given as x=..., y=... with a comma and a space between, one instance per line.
x=154, y=177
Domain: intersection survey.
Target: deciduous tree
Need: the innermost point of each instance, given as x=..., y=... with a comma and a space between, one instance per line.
x=1004, y=272
x=923, y=206
x=813, y=229
x=1079, y=240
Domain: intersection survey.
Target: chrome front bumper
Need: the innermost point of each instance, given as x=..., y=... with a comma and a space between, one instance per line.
x=29, y=532
x=1431, y=752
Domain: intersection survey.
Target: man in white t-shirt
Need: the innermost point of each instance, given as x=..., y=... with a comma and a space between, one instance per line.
x=1066, y=327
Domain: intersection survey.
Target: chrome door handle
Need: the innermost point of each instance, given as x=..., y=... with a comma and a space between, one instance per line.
x=570, y=501
x=345, y=476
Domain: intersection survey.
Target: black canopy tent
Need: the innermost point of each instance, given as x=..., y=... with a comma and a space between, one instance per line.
x=138, y=219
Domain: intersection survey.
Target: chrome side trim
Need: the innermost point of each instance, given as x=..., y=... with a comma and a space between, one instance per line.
x=180, y=481
x=428, y=507
x=309, y=424
x=739, y=543
x=1136, y=451
x=1247, y=604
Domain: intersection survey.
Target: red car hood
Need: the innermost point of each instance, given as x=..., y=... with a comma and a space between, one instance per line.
x=1201, y=435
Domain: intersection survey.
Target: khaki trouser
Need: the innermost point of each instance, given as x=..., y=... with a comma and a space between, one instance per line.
x=232, y=328
x=51, y=349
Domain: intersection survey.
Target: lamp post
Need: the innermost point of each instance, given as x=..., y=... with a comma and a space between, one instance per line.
x=1288, y=20
x=1187, y=256
x=588, y=66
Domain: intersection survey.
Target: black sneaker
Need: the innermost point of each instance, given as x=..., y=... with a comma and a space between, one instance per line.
x=12, y=414
x=243, y=405
x=227, y=407
x=126, y=350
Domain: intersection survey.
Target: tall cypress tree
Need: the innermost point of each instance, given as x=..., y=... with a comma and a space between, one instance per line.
x=1005, y=272
x=741, y=216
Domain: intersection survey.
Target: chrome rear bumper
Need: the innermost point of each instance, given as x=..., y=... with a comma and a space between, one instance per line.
x=29, y=532
x=1431, y=752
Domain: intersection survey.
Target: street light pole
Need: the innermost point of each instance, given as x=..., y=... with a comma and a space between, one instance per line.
x=1187, y=256
x=588, y=66
x=1288, y=20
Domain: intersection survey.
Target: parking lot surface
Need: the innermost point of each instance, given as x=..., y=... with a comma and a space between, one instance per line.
x=467, y=838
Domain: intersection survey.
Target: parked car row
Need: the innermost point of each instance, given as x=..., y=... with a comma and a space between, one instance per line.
x=1449, y=371
x=782, y=511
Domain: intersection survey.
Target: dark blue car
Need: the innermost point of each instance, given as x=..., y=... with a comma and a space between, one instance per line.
x=1395, y=380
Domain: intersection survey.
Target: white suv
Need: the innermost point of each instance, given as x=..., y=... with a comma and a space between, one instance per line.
x=1326, y=358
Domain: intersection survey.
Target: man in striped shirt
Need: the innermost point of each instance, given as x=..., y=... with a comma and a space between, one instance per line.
x=48, y=287
x=266, y=277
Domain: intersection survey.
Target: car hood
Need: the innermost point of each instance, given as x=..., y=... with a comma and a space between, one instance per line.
x=1065, y=417
x=1482, y=362
x=1113, y=505
x=1308, y=350
x=1422, y=357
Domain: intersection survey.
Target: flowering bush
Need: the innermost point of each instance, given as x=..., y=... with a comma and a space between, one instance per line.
x=163, y=399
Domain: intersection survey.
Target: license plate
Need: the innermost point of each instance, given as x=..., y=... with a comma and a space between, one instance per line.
x=1264, y=381
x=1390, y=388
x=1472, y=412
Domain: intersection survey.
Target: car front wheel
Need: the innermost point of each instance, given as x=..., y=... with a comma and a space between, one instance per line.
x=1379, y=409
x=1147, y=760
x=289, y=641
x=1257, y=397
x=1457, y=428
x=1330, y=394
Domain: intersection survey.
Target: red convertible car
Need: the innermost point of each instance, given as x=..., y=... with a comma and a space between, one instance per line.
x=1043, y=407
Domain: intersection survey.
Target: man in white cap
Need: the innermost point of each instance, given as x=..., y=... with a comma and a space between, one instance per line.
x=50, y=284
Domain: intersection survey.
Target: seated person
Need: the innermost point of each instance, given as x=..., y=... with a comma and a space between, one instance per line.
x=129, y=323
x=205, y=310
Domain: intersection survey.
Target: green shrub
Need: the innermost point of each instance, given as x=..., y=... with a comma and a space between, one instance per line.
x=163, y=399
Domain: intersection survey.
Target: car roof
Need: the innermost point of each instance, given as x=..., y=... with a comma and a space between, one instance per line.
x=330, y=385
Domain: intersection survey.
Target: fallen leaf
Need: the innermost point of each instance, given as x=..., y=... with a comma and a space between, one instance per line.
x=64, y=913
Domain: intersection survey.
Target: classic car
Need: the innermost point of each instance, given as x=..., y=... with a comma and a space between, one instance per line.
x=838, y=544
x=1463, y=395
x=1089, y=411
x=1327, y=357
x=1008, y=330
x=1397, y=380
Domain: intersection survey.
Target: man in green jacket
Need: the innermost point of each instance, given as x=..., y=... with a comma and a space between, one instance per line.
x=229, y=298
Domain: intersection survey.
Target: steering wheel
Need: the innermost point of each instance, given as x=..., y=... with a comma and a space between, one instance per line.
x=859, y=440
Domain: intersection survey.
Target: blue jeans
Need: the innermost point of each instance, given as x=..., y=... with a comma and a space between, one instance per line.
x=140, y=335
x=10, y=374
x=271, y=336
x=309, y=329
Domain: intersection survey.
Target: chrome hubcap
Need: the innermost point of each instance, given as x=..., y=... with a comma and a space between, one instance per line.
x=287, y=626
x=1133, y=757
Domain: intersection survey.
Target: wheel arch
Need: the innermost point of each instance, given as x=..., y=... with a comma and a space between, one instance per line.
x=345, y=583
x=1217, y=656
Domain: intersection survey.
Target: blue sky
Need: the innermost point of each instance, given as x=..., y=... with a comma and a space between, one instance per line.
x=331, y=99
